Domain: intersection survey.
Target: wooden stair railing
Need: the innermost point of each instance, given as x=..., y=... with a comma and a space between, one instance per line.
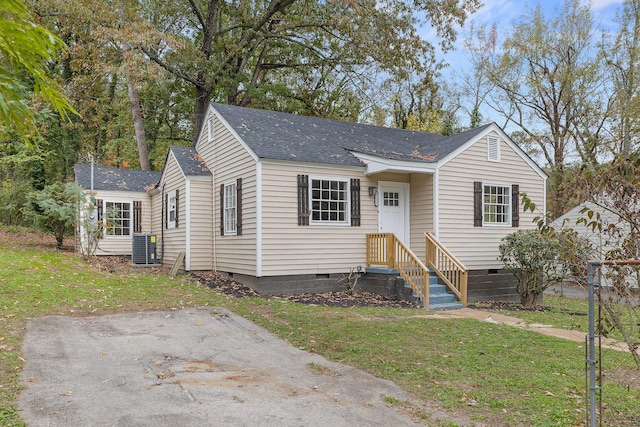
x=450, y=270
x=386, y=249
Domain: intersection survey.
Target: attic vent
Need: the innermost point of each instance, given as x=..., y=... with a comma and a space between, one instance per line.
x=493, y=149
x=211, y=130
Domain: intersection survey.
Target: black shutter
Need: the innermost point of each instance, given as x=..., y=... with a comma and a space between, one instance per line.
x=303, y=200
x=137, y=216
x=239, y=206
x=515, y=207
x=477, y=204
x=177, y=206
x=222, y=209
x=99, y=204
x=165, y=213
x=355, y=202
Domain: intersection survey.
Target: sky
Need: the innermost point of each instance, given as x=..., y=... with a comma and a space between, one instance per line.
x=505, y=12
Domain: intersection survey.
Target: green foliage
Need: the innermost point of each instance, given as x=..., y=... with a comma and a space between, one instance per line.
x=55, y=209
x=26, y=47
x=539, y=258
x=435, y=360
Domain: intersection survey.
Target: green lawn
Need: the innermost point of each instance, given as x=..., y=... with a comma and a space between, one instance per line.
x=495, y=374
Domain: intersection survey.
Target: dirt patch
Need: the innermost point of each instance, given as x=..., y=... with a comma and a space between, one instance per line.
x=228, y=286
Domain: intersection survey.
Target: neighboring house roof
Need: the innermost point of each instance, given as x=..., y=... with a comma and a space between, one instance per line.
x=115, y=179
x=190, y=161
x=282, y=136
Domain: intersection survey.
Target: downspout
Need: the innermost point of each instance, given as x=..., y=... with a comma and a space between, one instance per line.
x=162, y=219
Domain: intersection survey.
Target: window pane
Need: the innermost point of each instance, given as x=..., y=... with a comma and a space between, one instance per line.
x=230, y=208
x=117, y=219
x=497, y=204
x=329, y=200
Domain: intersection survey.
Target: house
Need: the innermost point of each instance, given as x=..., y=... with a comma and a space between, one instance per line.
x=123, y=194
x=287, y=203
x=602, y=243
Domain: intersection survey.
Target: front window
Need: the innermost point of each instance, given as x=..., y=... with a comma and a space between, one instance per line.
x=118, y=219
x=230, y=209
x=496, y=204
x=329, y=201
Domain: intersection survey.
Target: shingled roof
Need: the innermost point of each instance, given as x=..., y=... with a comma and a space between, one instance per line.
x=190, y=161
x=116, y=179
x=282, y=136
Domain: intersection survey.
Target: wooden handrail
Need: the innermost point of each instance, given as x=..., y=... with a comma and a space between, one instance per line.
x=452, y=272
x=386, y=249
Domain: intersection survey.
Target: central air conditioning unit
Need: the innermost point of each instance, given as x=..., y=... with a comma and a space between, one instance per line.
x=143, y=249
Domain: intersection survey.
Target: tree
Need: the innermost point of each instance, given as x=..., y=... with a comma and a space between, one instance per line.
x=549, y=78
x=623, y=64
x=475, y=86
x=55, y=209
x=249, y=53
x=26, y=48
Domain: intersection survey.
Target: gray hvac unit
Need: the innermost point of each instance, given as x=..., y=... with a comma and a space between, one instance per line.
x=143, y=249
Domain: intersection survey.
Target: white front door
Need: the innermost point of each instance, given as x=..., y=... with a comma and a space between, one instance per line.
x=393, y=209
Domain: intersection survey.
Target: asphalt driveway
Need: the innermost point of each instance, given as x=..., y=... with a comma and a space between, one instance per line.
x=192, y=367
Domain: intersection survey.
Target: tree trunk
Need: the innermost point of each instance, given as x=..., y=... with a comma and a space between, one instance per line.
x=138, y=126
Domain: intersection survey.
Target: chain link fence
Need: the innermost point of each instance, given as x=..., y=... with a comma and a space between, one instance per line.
x=612, y=353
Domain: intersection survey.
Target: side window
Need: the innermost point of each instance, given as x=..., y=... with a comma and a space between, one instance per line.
x=230, y=208
x=172, y=209
x=117, y=221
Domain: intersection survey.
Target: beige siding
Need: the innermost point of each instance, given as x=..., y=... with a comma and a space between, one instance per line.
x=288, y=248
x=229, y=160
x=477, y=247
x=121, y=245
x=173, y=240
x=200, y=225
x=421, y=211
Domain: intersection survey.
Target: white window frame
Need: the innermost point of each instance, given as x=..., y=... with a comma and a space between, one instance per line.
x=318, y=205
x=230, y=208
x=495, y=202
x=110, y=223
x=171, y=208
x=493, y=148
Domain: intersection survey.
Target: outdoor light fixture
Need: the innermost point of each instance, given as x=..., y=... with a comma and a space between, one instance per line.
x=372, y=191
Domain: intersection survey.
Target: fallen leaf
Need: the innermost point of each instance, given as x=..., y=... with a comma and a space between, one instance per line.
x=548, y=393
x=32, y=379
x=66, y=393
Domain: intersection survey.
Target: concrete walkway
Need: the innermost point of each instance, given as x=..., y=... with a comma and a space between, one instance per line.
x=501, y=319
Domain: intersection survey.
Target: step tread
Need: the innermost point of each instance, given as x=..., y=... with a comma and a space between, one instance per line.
x=447, y=306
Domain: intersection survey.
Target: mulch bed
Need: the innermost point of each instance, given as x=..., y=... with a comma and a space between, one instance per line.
x=228, y=286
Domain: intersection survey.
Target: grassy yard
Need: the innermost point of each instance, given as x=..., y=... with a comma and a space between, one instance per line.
x=494, y=374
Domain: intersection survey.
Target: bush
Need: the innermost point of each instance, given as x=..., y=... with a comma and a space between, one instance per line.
x=54, y=209
x=540, y=258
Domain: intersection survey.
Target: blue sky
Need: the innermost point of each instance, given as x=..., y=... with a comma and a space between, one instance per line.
x=505, y=12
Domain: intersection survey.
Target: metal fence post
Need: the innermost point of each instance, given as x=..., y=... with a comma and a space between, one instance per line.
x=591, y=360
